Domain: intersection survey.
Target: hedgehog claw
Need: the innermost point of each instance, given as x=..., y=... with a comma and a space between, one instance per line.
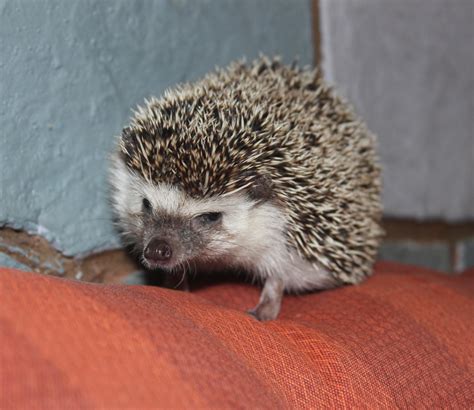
x=253, y=313
x=270, y=301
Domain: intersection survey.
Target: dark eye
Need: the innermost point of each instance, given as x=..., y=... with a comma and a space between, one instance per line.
x=210, y=217
x=146, y=205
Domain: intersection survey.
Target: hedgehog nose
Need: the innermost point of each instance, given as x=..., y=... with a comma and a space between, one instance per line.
x=158, y=251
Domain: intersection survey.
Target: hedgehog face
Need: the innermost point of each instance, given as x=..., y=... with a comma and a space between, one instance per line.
x=170, y=229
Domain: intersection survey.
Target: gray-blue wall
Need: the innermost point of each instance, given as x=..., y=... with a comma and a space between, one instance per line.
x=408, y=66
x=70, y=71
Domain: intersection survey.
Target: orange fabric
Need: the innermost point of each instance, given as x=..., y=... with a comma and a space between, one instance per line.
x=404, y=338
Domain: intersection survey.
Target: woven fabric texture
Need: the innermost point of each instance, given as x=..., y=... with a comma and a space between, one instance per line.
x=404, y=338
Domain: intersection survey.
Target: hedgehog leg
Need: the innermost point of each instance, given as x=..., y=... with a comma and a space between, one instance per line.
x=270, y=300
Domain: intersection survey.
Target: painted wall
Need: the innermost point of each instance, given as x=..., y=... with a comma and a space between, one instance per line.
x=408, y=66
x=71, y=70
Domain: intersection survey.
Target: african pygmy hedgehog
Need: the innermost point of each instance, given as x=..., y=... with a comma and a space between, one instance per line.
x=255, y=167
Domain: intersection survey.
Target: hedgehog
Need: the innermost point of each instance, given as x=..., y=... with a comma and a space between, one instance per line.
x=259, y=168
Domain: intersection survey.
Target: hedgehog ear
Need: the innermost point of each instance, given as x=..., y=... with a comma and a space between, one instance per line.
x=126, y=144
x=126, y=135
x=261, y=189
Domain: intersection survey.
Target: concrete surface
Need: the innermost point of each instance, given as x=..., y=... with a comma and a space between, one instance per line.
x=465, y=254
x=430, y=255
x=408, y=66
x=8, y=262
x=71, y=70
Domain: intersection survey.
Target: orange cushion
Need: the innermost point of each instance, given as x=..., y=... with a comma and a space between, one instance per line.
x=403, y=338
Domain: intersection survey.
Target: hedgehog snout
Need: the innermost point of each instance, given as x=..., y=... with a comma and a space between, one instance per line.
x=158, y=251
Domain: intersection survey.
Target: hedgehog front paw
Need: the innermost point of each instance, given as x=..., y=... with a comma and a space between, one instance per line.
x=270, y=301
x=264, y=312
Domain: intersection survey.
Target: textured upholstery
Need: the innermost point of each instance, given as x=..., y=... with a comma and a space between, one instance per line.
x=403, y=338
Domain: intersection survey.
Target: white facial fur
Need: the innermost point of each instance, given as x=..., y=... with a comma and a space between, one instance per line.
x=253, y=235
x=248, y=227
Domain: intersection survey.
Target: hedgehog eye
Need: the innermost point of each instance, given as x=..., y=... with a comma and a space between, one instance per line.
x=209, y=218
x=146, y=205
